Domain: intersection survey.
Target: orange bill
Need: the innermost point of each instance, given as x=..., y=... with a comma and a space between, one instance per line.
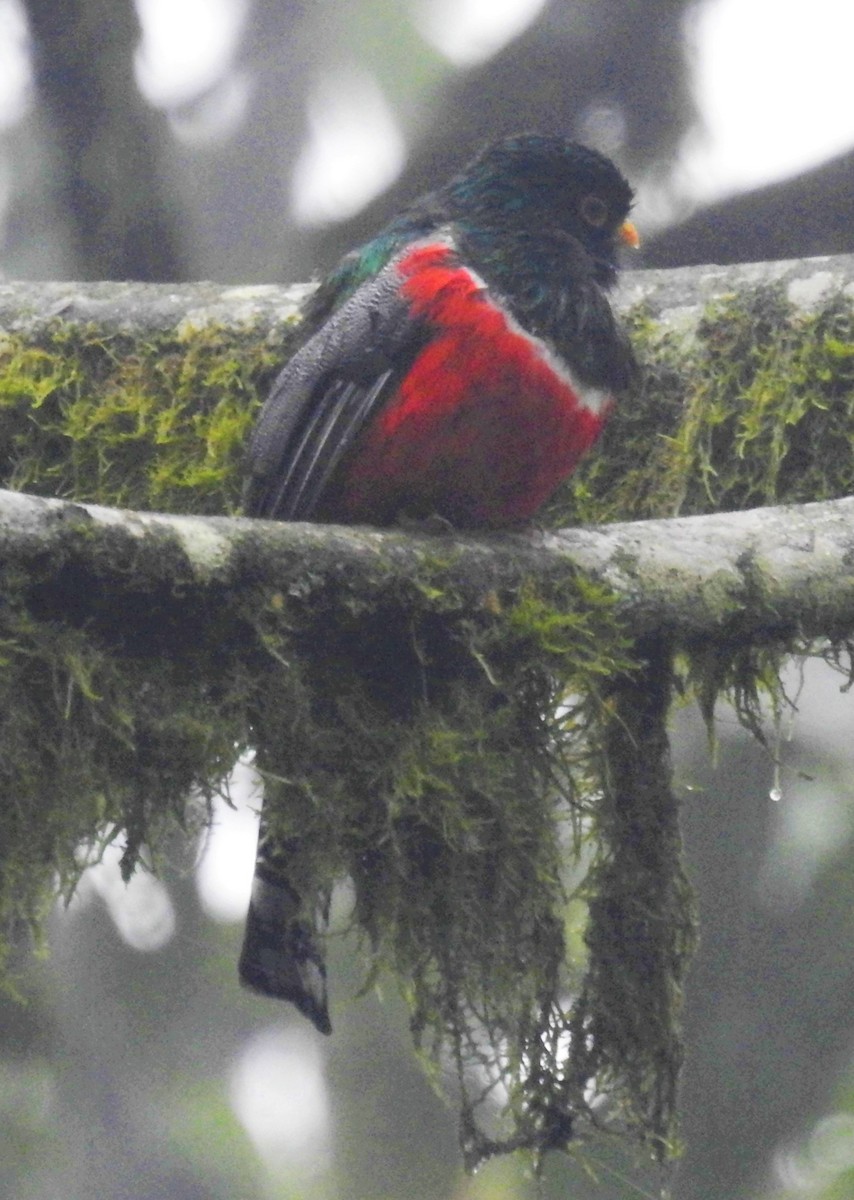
x=628, y=234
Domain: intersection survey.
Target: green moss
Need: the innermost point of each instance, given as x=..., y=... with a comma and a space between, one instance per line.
x=756, y=408
x=160, y=424
x=478, y=776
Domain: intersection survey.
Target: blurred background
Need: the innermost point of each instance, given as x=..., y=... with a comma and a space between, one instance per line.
x=254, y=140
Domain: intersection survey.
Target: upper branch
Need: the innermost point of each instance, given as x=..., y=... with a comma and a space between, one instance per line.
x=676, y=296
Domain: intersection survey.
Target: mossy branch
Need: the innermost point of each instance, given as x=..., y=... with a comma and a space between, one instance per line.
x=770, y=574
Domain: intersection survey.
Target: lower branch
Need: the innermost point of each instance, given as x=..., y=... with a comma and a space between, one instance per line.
x=775, y=573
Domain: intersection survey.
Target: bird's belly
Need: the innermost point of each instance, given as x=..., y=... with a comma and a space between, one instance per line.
x=481, y=431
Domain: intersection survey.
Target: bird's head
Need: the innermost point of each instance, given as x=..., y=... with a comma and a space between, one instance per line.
x=546, y=186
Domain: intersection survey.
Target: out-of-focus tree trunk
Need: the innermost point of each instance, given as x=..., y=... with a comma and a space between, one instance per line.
x=805, y=216
x=235, y=189
x=106, y=142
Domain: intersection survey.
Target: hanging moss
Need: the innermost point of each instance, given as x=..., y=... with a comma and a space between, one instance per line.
x=447, y=766
x=101, y=736
x=476, y=776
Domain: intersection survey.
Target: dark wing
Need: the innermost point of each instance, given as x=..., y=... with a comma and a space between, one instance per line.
x=325, y=396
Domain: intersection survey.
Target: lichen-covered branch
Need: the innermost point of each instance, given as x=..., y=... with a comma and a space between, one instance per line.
x=680, y=296
x=142, y=395
x=677, y=297
x=32, y=310
x=765, y=574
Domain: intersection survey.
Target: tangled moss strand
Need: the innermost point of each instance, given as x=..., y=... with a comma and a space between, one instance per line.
x=92, y=745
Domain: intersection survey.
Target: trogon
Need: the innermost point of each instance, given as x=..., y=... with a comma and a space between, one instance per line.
x=456, y=366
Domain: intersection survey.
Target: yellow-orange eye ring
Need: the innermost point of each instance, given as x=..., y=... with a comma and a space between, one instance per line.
x=594, y=211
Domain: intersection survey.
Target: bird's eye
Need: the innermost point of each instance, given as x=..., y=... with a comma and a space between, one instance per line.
x=594, y=211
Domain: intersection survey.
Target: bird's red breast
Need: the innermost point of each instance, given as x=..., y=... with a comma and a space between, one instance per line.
x=486, y=422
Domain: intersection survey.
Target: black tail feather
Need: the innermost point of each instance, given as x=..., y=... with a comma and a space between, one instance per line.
x=280, y=957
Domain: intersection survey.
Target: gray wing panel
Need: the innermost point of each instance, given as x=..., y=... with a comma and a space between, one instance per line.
x=325, y=395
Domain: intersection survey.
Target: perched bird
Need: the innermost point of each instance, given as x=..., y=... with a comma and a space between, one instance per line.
x=458, y=365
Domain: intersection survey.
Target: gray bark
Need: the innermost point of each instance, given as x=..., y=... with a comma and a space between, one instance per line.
x=675, y=296
x=772, y=572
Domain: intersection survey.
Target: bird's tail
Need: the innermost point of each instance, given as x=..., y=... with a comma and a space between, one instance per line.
x=280, y=956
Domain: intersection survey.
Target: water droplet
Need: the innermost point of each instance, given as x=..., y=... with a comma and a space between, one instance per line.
x=776, y=794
